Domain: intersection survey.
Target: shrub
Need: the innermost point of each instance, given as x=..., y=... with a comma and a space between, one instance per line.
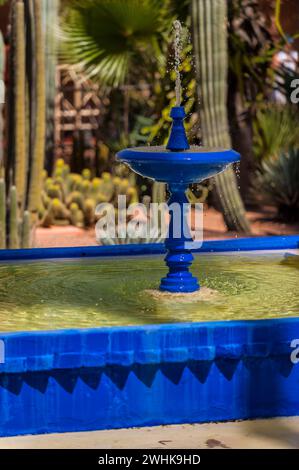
x=277, y=182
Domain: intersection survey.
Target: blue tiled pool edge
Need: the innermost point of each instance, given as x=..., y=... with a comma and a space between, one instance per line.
x=77, y=380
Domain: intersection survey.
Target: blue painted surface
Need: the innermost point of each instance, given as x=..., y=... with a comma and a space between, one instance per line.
x=179, y=257
x=178, y=140
x=122, y=377
x=288, y=242
x=177, y=163
x=178, y=167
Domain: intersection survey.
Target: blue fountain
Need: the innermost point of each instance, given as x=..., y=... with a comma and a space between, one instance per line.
x=178, y=165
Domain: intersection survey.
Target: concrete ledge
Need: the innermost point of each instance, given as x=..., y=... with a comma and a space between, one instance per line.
x=279, y=433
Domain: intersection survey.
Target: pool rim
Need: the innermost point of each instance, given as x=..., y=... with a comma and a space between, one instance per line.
x=85, y=379
x=287, y=242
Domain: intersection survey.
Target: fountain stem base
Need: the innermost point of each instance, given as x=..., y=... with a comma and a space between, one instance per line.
x=179, y=257
x=179, y=279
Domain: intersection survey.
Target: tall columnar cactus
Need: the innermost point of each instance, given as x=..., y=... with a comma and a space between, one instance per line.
x=2, y=214
x=2, y=91
x=25, y=230
x=50, y=23
x=19, y=105
x=210, y=45
x=2, y=181
x=26, y=110
x=13, y=219
x=158, y=192
x=15, y=232
x=38, y=155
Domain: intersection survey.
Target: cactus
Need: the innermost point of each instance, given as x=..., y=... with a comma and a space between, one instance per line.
x=132, y=195
x=26, y=119
x=158, y=192
x=26, y=230
x=210, y=46
x=2, y=91
x=31, y=69
x=20, y=112
x=37, y=164
x=50, y=12
x=2, y=215
x=78, y=195
x=2, y=180
x=77, y=216
x=18, y=232
x=13, y=219
x=89, y=212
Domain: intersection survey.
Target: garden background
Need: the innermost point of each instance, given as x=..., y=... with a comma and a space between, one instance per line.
x=84, y=79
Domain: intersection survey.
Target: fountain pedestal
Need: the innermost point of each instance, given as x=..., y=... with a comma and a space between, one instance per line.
x=178, y=165
x=179, y=257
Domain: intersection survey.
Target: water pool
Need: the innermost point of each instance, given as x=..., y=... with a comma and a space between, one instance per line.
x=90, y=293
x=136, y=374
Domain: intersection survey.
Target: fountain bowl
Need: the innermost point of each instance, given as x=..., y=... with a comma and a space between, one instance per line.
x=184, y=167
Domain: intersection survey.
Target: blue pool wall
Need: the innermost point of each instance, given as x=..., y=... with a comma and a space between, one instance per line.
x=105, y=378
x=143, y=376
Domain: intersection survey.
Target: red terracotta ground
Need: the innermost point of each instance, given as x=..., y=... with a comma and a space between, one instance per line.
x=263, y=224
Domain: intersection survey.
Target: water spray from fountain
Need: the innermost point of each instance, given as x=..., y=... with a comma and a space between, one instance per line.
x=177, y=26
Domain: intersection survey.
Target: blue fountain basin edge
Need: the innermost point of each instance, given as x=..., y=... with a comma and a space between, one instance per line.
x=190, y=166
x=79, y=380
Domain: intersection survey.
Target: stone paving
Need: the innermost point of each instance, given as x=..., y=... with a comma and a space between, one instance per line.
x=278, y=433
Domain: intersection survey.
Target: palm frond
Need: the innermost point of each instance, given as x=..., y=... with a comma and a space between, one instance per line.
x=107, y=39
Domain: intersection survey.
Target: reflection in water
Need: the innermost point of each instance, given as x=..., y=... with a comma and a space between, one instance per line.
x=95, y=293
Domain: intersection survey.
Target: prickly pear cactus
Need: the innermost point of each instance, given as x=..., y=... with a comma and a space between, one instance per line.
x=71, y=198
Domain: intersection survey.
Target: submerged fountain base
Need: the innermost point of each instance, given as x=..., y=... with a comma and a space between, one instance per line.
x=179, y=278
x=178, y=165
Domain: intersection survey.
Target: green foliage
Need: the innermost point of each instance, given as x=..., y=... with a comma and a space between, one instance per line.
x=112, y=38
x=276, y=129
x=276, y=183
x=210, y=47
x=70, y=198
x=251, y=50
